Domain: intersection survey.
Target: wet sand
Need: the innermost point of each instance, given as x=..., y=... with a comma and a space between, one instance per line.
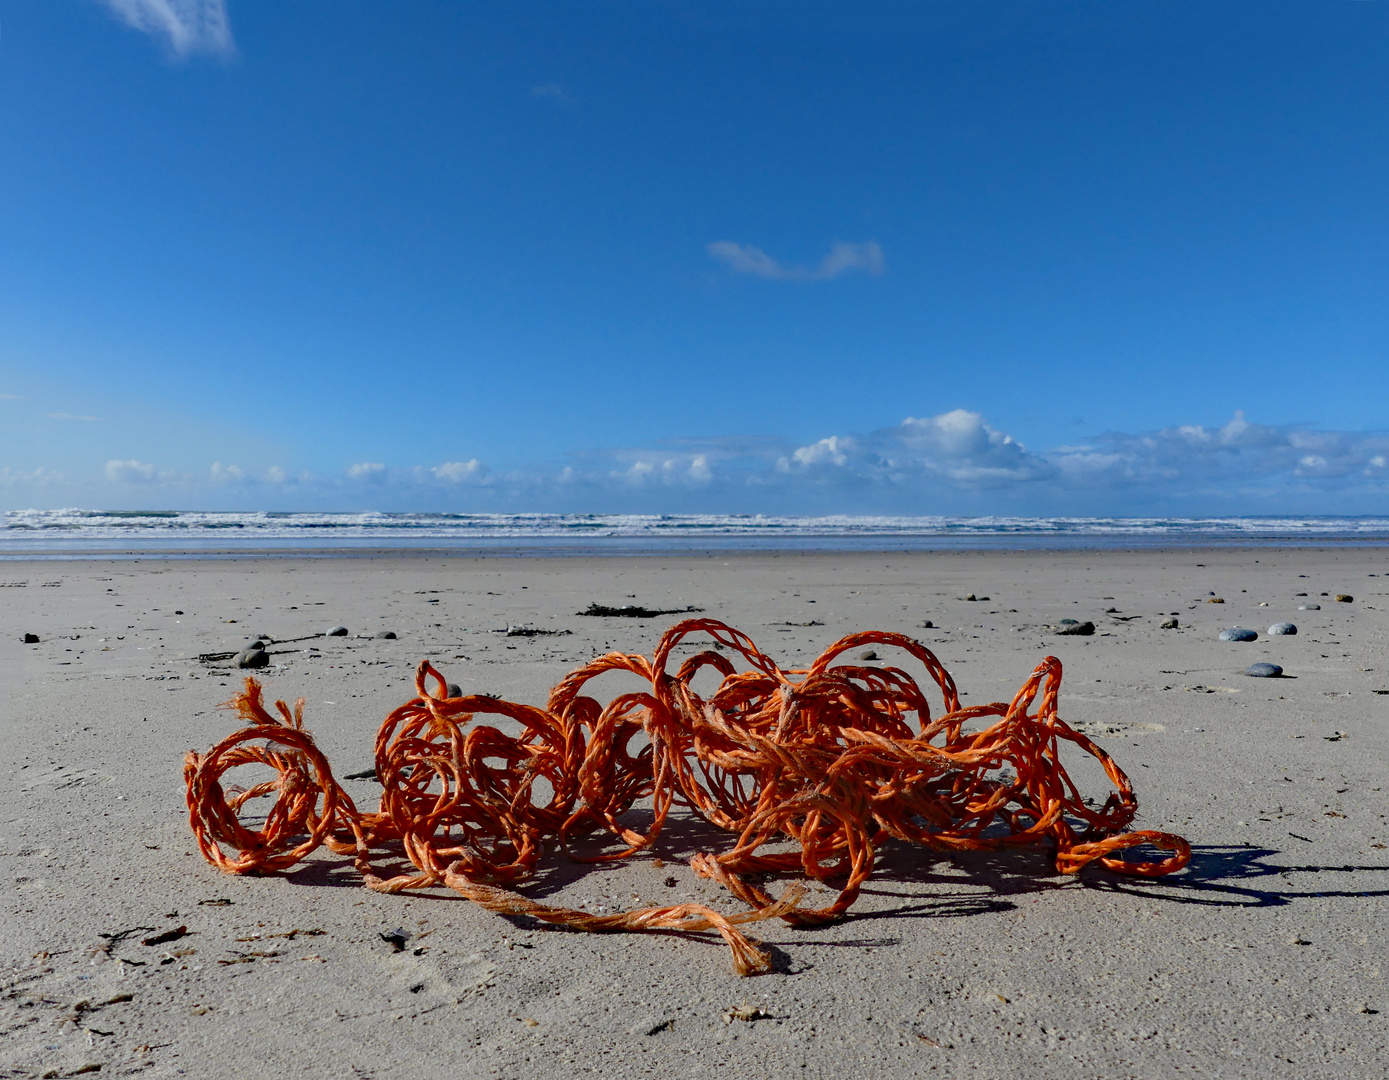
x=1265, y=958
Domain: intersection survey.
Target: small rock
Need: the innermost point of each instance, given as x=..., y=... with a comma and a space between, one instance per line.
x=453, y=690
x=1238, y=633
x=252, y=658
x=385, y=635
x=1168, y=624
x=971, y=596
x=1111, y=611
x=257, y=643
x=1344, y=598
x=868, y=654
x=31, y=639
x=926, y=624
x=1308, y=607
x=1084, y=629
x=337, y=631
x=1286, y=628
x=1216, y=600
x=1264, y=671
x=1068, y=622
x=1300, y=594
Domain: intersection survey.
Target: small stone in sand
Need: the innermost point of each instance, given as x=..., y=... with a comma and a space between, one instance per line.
x=926, y=624
x=252, y=658
x=1079, y=629
x=1264, y=671
x=1344, y=598
x=868, y=654
x=1308, y=607
x=31, y=639
x=1168, y=624
x=1111, y=611
x=1216, y=600
x=971, y=596
x=385, y=635
x=453, y=690
x=1283, y=628
x=337, y=631
x=1238, y=633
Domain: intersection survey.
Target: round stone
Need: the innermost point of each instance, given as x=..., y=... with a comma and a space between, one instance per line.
x=386, y=635
x=1308, y=607
x=1168, y=624
x=1071, y=627
x=1238, y=633
x=252, y=658
x=1344, y=598
x=255, y=643
x=337, y=631
x=454, y=690
x=31, y=639
x=1283, y=628
x=927, y=624
x=1264, y=671
x=868, y=654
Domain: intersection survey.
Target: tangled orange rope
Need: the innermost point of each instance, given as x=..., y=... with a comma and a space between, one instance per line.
x=835, y=758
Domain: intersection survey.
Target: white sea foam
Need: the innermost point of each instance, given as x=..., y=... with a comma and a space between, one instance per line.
x=78, y=530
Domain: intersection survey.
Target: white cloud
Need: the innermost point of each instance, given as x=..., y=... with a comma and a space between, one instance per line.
x=227, y=473
x=555, y=93
x=367, y=471
x=275, y=475
x=68, y=416
x=841, y=259
x=459, y=472
x=9, y=397
x=129, y=472
x=185, y=26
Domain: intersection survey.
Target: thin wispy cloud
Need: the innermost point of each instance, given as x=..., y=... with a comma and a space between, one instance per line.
x=186, y=27
x=555, y=94
x=9, y=397
x=68, y=416
x=841, y=259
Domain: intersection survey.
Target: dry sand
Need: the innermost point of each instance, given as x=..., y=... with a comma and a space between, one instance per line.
x=1265, y=958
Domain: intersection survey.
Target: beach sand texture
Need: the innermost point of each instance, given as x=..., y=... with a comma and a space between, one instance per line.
x=1265, y=958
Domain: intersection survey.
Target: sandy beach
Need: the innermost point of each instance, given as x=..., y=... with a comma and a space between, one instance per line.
x=1264, y=958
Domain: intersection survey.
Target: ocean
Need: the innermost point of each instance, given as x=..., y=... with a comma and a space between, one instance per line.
x=77, y=533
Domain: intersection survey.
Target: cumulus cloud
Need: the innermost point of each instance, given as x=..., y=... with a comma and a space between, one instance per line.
x=367, y=471
x=130, y=472
x=185, y=26
x=958, y=447
x=459, y=472
x=841, y=259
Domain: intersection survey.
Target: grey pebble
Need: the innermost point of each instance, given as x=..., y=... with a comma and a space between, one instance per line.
x=337, y=631
x=926, y=624
x=1238, y=633
x=31, y=639
x=385, y=635
x=1168, y=624
x=1283, y=628
x=868, y=654
x=971, y=596
x=453, y=690
x=252, y=658
x=1308, y=607
x=1071, y=627
x=1264, y=671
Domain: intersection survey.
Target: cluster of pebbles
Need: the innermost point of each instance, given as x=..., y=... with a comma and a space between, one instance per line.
x=1278, y=629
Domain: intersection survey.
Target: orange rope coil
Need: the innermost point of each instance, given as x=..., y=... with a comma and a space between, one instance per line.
x=836, y=758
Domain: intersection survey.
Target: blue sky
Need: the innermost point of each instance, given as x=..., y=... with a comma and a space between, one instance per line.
x=1038, y=257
